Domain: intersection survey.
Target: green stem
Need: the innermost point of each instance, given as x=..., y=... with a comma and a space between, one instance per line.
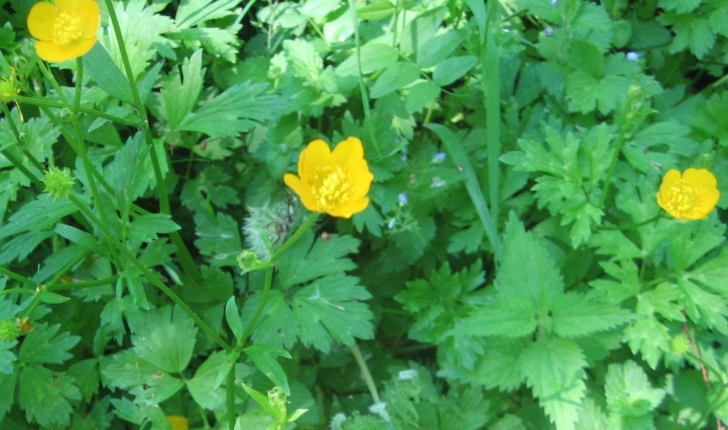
x=490, y=66
x=182, y=253
x=17, y=290
x=83, y=284
x=630, y=226
x=362, y=87
x=20, y=278
x=297, y=235
x=365, y=373
x=34, y=101
x=150, y=275
x=230, y=397
x=615, y=157
x=52, y=79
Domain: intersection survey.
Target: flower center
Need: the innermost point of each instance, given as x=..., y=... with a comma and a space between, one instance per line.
x=331, y=186
x=68, y=29
x=682, y=198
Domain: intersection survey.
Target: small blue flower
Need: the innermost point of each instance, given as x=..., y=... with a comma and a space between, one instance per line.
x=403, y=157
x=403, y=200
x=633, y=56
x=548, y=31
x=553, y=2
x=439, y=157
x=391, y=223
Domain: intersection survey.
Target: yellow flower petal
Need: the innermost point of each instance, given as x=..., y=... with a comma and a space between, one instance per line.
x=701, y=177
x=295, y=183
x=690, y=196
x=41, y=19
x=178, y=422
x=311, y=158
x=347, y=152
x=52, y=52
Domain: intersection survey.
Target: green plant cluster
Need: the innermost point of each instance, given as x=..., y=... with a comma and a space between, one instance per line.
x=513, y=270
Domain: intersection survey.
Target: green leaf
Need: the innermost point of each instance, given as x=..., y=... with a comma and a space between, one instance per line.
x=679, y=6
x=7, y=357
x=574, y=315
x=329, y=309
x=452, y=69
x=627, y=282
x=591, y=417
x=394, y=77
x=478, y=9
x=319, y=8
x=379, y=10
x=149, y=384
x=304, y=262
x=263, y=401
x=203, y=387
x=554, y=369
x=37, y=215
x=228, y=365
x=264, y=358
x=704, y=308
x=629, y=391
x=44, y=396
x=278, y=325
x=510, y=316
x=99, y=65
x=420, y=95
x=461, y=159
x=439, y=48
x=501, y=354
x=542, y=282
x=438, y=301
x=664, y=299
x=7, y=392
x=233, y=317
x=218, y=238
x=236, y=110
x=180, y=96
x=193, y=12
x=165, y=337
x=44, y=345
x=713, y=273
x=374, y=57
x=147, y=226
x=86, y=375
x=615, y=245
x=648, y=337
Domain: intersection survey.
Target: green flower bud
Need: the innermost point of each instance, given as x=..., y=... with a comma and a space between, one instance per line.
x=9, y=331
x=248, y=261
x=277, y=397
x=58, y=182
x=680, y=344
x=7, y=91
x=65, y=115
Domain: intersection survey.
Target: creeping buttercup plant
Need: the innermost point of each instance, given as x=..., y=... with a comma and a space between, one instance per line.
x=378, y=214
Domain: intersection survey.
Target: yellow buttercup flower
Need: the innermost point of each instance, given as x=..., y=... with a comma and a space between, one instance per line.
x=65, y=30
x=178, y=422
x=690, y=196
x=333, y=182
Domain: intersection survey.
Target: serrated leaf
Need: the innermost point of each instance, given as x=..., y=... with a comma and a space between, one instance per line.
x=7, y=392
x=165, y=337
x=703, y=307
x=309, y=259
x=278, y=325
x=554, y=369
x=37, y=215
x=542, y=282
x=330, y=309
x=629, y=391
x=648, y=337
x=7, y=357
x=181, y=89
x=264, y=358
x=574, y=315
x=713, y=273
x=511, y=316
x=236, y=110
x=45, y=345
x=664, y=299
x=86, y=375
x=614, y=244
x=203, y=387
x=148, y=383
x=44, y=396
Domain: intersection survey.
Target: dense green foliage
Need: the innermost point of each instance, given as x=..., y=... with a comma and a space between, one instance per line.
x=513, y=271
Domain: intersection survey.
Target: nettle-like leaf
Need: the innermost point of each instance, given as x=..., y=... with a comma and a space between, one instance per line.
x=629, y=391
x=574, y=315
x=497, y=353
x=572, y=168
x=554, y=370
x=46, y=345
x=45, y=396
x=326, y=304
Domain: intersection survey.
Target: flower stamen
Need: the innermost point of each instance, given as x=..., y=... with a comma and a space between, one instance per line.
x=68, y=29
